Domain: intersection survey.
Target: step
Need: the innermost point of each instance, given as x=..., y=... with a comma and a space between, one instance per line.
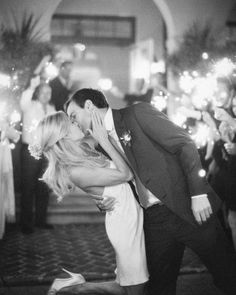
x=76, y=207
x=77, y=198
x=64, y=216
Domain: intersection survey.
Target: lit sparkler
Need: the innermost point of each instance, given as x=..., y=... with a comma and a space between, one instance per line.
x=159, y=101
x=179, y=119
x=186, y=82
x=50, y=70
x=105, y=84
x=201, y=134
x=15, y=117
x=5, y=80
x=224, y=67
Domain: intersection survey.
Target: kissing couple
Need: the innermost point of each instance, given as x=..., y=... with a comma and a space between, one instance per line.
x=111, y=155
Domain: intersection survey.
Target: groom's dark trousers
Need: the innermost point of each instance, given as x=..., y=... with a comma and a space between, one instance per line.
x=167, y=234
x=167, y=162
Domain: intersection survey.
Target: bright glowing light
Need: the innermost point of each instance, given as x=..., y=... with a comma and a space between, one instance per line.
x=159, y=102
x=202, y=173
x=3, y=110
x=179, y=119
x=105, y=84
x=158, y=67
x=203, y=91
x=195, y=74
x=15, y=117
x=205, y=55
x=33, y=126
x=224, y=67
x=201, y=134
x=50, y=70
x=186, y=82
x=80, y=46
x=12, y=146
x=5, y=80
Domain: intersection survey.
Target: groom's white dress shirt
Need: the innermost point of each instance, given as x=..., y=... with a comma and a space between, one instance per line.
x=146, y=198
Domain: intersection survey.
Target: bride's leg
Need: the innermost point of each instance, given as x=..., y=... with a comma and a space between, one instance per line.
x=99, y=288
x=140, y=289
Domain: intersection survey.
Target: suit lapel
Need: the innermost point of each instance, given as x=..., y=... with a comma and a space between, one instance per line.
x=120, y=127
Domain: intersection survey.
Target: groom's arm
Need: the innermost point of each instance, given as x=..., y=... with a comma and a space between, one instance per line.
x=175, y=140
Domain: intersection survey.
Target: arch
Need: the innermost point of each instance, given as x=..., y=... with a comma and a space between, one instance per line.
x=169, y=21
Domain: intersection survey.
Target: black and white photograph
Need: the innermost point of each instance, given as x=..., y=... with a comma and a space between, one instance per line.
x=118, y=147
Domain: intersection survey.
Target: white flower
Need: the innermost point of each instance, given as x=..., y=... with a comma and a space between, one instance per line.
x=126, y=138
x=35, y=151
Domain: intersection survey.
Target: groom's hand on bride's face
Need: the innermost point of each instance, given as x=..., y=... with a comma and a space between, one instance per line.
x=106, y=203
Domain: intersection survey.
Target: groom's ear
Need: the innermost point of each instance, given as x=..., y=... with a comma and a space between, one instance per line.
x=88, y=105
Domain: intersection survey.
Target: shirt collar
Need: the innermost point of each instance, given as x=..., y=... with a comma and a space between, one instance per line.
x=108, y=120
x=63, y=81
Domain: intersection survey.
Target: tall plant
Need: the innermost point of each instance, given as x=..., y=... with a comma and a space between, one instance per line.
x=21, y=49
x=197, y=40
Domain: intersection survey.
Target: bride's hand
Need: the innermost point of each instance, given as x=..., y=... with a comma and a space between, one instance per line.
x=98, y=132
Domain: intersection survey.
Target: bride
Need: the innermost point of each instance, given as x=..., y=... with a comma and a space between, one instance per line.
x=74, y=162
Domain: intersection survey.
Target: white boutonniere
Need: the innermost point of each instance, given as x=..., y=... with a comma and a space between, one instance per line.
x=126, y=138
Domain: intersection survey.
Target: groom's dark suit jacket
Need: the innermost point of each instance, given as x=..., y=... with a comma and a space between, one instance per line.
x=164, y=157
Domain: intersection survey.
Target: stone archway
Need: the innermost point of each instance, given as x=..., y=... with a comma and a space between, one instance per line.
x=169, y=21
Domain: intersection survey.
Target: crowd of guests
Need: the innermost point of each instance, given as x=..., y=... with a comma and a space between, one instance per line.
x=39, y=99
x=219, y=154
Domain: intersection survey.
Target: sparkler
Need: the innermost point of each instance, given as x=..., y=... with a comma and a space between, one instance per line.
x=15, y=117
x=224, y=67
x=160, y=101
x=5, y=80
x=179, y=119
x=105, y=84
x=201, y=134
x=50, y=71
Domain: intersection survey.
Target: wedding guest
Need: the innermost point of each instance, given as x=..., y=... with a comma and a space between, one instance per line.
x=61, y=86
x=35, y=104
x=222, y=169
x=217, y=169
x=228, y=135
x=7, y=197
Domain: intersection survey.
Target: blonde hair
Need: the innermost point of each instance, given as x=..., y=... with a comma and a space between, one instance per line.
x=62, y=152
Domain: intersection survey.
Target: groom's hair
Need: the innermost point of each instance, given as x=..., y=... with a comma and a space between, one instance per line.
x=80, y=96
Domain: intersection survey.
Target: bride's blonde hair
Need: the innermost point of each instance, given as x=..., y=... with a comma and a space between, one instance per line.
x=62, y=152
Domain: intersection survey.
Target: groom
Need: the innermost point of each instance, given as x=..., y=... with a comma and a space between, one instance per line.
x=179, y=205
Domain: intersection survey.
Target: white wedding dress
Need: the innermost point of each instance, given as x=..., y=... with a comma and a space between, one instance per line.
x=7, y=195
x=124, y=226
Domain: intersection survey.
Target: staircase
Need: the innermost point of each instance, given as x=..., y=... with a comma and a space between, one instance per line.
x=74, y=208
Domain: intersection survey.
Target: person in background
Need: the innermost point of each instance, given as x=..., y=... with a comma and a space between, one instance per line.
x=35, y=104
x=7, y=197
x=61, y=86
x=228, y=135
x=222, y=167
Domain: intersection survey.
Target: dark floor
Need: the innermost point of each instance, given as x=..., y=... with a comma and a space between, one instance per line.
x=191, y=284
x=28, y=263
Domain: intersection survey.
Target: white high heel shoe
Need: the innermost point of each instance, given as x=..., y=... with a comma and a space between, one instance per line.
x=58, y=284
